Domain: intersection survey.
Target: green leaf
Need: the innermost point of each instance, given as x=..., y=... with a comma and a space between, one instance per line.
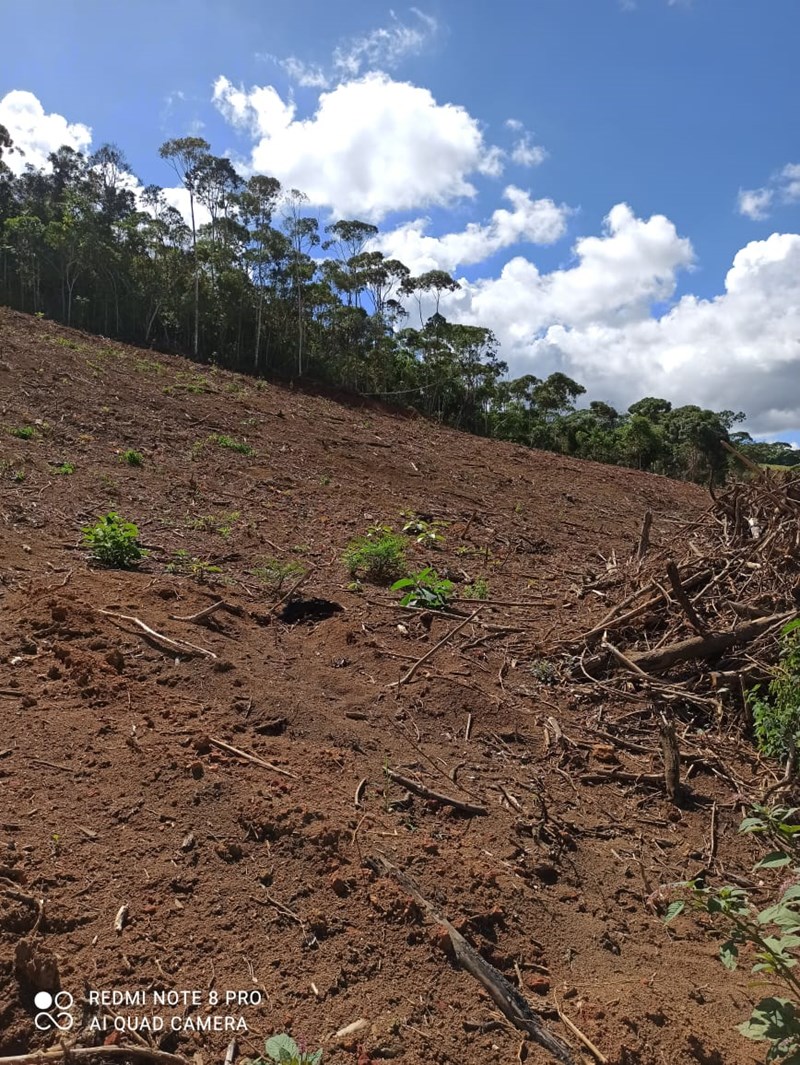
x=774, y=860
x=729, y=954
x=282, y=1048
x=674, y=910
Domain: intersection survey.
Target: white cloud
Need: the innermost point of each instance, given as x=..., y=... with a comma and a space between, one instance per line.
x=755, y=203
x=386, y=47
x=524, y=151
x=531, y=221
x=784, y=186
x=306, y=75
x=595, y=322
x=37, y=133
x=374, y=145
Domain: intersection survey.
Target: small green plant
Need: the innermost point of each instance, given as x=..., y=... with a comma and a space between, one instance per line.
x=232, y=445
x=219, y=523
x=113, y=541
x=378, y=556
x=25, y=432
x=424, y=532
x=283, y=1050
x=425, y=589
x=544, y=671
x=273, y=573
x=776, y=711
x=185, y=565
x=66, y=469
x=19, y=476
x=771, y=936
x=479, y=589
x=132, y=458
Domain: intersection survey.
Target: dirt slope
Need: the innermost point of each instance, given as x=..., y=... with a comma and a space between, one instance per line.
x=239, y=878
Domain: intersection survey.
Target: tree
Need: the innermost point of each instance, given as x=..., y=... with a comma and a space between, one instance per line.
x=184, y=155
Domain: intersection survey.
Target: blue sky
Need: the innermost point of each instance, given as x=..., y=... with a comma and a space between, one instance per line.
x=616, y=183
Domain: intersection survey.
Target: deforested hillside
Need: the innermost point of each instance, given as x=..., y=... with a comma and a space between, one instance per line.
x=247, y=790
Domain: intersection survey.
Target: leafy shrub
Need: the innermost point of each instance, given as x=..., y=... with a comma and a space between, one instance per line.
x=133, y=458
x=770, y=934
x=379, y=556
x=25, y=432
x=284, y=1050
x=65, y=469
x=776, y=712
x=114, y=542
x=426, y=589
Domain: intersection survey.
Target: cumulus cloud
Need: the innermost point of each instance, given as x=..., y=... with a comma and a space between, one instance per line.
x=37, y=133
x=755, y=203
x=373, y=145
x=531, y=221
x=595, y=320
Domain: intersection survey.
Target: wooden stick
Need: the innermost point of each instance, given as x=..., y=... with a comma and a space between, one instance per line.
x=182, y=645
x=249, y=757
x=39, y=1057
x=437, y=796
x=579, y=1034
x=429, y=654
x=683, y=599
x=644, y=539
x=204, y=613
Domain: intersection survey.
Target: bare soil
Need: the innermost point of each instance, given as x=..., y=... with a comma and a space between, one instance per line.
x=238, y=877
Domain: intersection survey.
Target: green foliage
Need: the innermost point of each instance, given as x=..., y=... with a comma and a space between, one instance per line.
x=378, y=556
x=232, y=445
x=424, y=532
x=425, y=589
x=776, y=711
x=283, y=1050
x=113, y=541
x=479, y=589
x=185, y=565
x=770, y=935
x=273, y=573
x=218, y=523
x=65, y=469
x=132, y=458
x=26, y=432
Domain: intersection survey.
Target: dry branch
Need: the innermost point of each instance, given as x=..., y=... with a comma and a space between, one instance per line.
x=137, y=1053
x=437, y=796
x=182, y=645
x=249, y=757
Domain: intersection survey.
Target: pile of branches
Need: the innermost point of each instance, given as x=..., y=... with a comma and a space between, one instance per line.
x=697, y=623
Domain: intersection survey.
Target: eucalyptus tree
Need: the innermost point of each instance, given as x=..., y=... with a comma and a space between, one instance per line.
x=184, y=154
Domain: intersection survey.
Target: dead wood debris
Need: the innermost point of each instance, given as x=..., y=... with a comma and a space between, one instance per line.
x=678, y=625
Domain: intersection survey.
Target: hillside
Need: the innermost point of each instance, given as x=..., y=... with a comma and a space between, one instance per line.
x=118, y=787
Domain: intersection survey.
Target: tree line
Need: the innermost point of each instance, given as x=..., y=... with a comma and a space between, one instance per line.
x=262, y=288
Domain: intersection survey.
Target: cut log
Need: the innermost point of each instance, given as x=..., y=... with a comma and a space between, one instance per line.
x=705, y=646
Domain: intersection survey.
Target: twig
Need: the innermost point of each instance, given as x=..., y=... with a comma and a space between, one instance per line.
x=437, y=796
x=84, y=1053
x=205, y=612
x=579, y=1034
x=180, y=644
x=683, y=599
x=292, y=590
x=249, y=757
x=360, y=791
x=429, y=654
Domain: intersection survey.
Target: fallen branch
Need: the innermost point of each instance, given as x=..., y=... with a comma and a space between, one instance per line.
x=507, y=998
x=249, y=757
x=437, y=796
x=429, y=654
x=705, y=646
x=182, y=645
x=683, y=599
x=579, y=1034
x=206, y=612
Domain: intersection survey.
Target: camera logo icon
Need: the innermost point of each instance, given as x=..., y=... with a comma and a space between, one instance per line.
x=53, y=1011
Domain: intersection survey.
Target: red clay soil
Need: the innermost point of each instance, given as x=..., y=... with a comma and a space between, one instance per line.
x=238, y=877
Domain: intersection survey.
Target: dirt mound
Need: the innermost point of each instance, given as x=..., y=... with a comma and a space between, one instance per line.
x=203, y=778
